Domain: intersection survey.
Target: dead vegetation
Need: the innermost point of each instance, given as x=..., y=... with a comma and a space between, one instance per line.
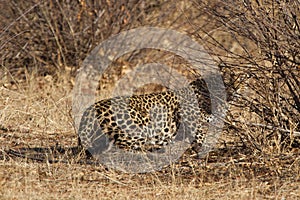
x=256, y=44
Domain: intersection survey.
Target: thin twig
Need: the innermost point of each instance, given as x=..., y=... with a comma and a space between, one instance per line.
x=295, y=133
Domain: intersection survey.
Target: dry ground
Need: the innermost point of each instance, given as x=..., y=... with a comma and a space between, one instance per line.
x=36, y=113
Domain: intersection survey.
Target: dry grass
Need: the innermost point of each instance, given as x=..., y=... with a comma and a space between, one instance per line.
x=36, y=113
x=249, y=162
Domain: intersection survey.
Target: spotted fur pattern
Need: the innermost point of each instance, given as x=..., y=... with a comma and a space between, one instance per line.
x=147, y=122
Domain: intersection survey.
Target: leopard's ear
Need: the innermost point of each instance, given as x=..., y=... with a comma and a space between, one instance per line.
x=199, y=82
x=200, y=87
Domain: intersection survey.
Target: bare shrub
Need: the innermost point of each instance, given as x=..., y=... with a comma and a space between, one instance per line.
x=263, y=76
x=52, y=35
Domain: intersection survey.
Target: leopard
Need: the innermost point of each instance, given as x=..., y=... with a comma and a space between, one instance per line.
x=147, y=122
